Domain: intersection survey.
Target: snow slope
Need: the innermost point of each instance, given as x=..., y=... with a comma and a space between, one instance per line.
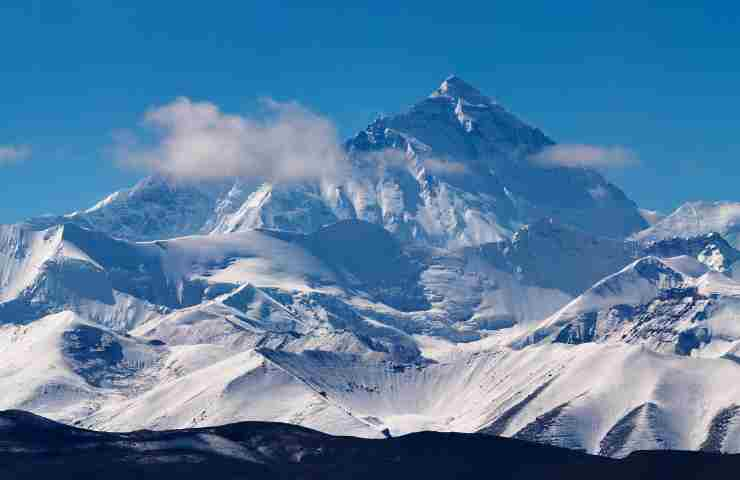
x=579, y=396
x=694, y=219
x=348, y=330
x=673, y=305
x=450, y=282
x=60, y=364
x=48, y=271
x=585, y=397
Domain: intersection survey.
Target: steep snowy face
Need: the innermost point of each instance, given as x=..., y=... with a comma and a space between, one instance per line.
x=155, y=208
x=695, y=219
x=673, y=305
x=69, y=268
x=459, y=122
x=468, y=152
x=237, y=290
x=22, y=254
x=552, y=255
x=710, y=249
x=547, y=264
x=353, y=277
x=456, y=169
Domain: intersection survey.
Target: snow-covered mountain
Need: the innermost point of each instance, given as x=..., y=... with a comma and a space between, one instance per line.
x=456, y=169
x=697, y=218
x=350, y=331
x=673, y=305
x=449, y=282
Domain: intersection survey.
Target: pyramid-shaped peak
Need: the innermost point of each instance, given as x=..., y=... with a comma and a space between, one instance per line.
x=455, y=87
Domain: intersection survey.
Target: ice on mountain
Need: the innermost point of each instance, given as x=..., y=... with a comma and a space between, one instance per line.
x=387, y=301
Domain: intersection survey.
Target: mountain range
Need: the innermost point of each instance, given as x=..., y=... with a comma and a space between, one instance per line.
x=450, y=281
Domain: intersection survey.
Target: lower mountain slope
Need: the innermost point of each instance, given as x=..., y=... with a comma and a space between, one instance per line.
x=34, y=447
x=555, y=336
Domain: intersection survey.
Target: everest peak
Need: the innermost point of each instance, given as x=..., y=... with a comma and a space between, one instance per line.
x=457, y=88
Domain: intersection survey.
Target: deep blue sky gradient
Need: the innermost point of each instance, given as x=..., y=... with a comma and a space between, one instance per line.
x=662, y=81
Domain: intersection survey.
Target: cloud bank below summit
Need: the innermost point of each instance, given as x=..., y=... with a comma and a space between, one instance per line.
x=287, y=142
x=587, y=156
x=197, y=140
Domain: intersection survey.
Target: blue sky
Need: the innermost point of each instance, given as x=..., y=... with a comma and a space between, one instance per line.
x=661, y=81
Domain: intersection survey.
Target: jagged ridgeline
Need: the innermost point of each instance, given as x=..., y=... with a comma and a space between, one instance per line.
x=455, y=169
x=450, y=281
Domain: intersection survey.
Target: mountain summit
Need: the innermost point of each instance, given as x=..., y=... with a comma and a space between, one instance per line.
x=448, y=283
x=456, y=87
x=453, y=170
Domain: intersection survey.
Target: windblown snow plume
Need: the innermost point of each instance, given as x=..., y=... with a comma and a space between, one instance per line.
x=197, y=140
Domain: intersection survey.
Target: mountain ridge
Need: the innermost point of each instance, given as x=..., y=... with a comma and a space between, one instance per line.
x=453, y=170
x=449, y=283
x=34, y=446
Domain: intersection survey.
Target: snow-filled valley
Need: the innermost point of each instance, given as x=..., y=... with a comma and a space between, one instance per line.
x=449, y=284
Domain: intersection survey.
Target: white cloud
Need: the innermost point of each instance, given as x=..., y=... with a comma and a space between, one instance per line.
x=387, y=158
x=393, y=158
x=13, y=153
x=591, y=156
x=442, y=167
x=197, y=140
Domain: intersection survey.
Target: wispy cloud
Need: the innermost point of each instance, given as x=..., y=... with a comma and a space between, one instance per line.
x=442, y=167
x=197, y=140
x=591, y=156
x=381, y=160
x=13, y=153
